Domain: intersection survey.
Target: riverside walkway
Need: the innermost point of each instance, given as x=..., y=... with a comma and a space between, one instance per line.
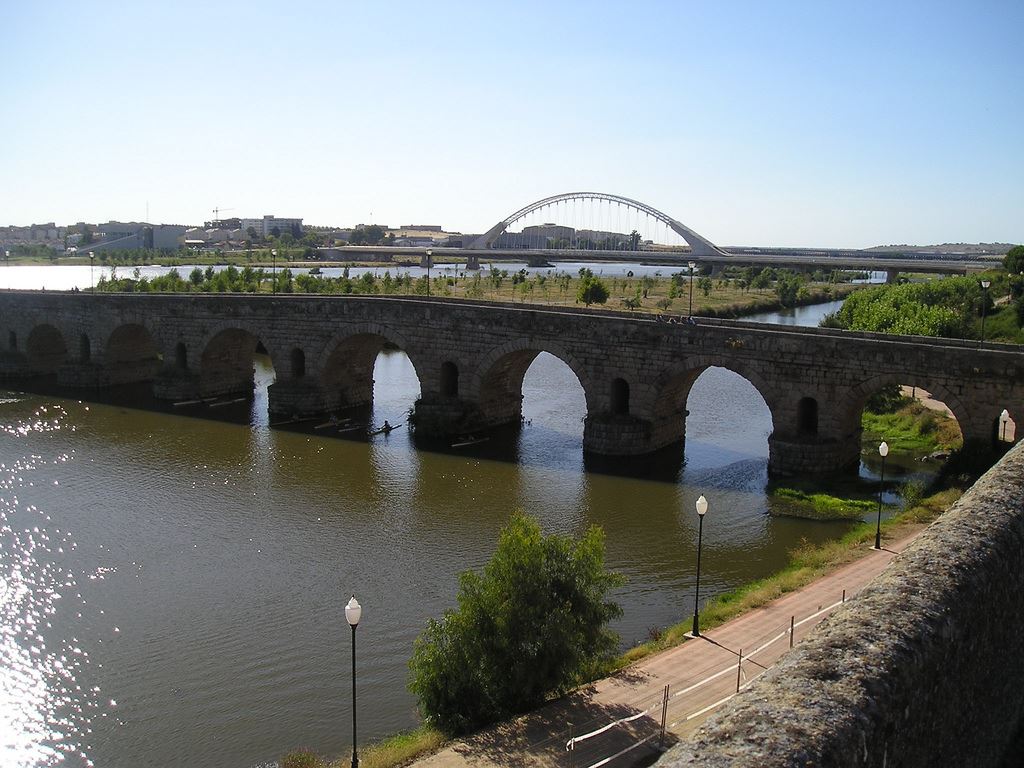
x=628, y=718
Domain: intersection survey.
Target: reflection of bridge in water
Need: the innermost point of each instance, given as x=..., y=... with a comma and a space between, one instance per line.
x=470, y=358
x=600, y=226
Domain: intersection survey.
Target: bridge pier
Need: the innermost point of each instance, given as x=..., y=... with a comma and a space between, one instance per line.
x=426, y=261
x=473, y=262
x=13, y=365
x=625, y=434
x=438, y=416
x=798, y=457
x=175, y=384
x=300, y=397
x=82, y=375
x=891, y=276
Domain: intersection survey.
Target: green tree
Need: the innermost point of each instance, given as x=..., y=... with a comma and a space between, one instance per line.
x=374, y=234
x=704, y=285
x=534, y=623
x=591, y=290
x=1014, y=260
x=762, y=280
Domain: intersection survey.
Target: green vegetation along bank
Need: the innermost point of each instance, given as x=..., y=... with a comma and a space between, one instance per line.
x=736, y=292
x=954, y=307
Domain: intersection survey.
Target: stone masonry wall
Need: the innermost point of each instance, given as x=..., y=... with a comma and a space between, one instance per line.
x=656, y=359
x=922, y=668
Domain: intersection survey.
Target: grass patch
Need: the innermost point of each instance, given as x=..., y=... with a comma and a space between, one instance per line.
x=399, y=749
x=790, y=502
x=807, y=563
x=912, y=428
x=394, y=751
x=1001, y=325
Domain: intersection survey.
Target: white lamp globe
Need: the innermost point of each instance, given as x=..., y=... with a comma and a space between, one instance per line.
x=353, y=611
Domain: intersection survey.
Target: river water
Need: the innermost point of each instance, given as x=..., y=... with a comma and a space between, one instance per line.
x=172, y=585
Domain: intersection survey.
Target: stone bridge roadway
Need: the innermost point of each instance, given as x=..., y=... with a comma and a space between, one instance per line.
x=636, y=371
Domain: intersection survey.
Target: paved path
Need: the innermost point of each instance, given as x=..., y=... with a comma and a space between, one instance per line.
x=924, y=397
x=701, y=674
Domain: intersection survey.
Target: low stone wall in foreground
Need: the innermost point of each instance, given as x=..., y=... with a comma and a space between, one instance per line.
x=924, y=667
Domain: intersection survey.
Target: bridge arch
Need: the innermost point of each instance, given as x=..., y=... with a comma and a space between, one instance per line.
x=131, y=349
x=672, y=388
x=45, y=349
x=667, y=401
x=699, y=245
x=226, y=361
x=345, y=366
x=971, y=427
x=497, y=382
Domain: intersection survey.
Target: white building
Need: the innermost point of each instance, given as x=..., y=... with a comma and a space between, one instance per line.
x=265, y=226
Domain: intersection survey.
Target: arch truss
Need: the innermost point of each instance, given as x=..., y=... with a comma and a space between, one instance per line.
x=699, y=245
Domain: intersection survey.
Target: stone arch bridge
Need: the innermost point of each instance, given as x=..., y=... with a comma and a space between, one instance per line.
x=636, y=371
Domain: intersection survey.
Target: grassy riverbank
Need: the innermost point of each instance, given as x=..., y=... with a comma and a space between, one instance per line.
x=793, y=502
x=911, y=427
x=806, y=564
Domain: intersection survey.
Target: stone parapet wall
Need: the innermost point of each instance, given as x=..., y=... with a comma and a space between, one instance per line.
x=922, y=668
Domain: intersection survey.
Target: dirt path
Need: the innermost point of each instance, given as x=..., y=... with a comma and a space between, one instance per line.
x=925, y=398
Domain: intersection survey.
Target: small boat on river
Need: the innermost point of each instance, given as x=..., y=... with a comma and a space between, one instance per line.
x=385, y=430
x=462, y=442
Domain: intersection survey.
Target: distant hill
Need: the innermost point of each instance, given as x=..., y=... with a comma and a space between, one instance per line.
x=948, y=249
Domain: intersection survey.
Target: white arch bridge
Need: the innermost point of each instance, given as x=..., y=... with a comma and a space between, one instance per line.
x=699, y=245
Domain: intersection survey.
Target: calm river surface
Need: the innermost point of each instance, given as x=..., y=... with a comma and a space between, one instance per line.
x=172, y=587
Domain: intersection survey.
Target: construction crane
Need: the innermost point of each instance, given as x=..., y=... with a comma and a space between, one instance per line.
x=216, y=212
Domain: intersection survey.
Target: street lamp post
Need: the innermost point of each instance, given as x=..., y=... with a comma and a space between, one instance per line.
x=430, y=256
x=702, y=508
x=273, y=284
x=693, y=266
x=92, y=283
x=984, y=306
x=353, y=612
x=7, y=257
x=883, y=451
x=1004, y=419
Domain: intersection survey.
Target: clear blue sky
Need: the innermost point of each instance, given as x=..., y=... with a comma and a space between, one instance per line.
x=767, y=123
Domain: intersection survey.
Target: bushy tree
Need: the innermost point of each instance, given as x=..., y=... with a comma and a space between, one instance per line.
x=533, y=624
x=1014, y=260
x=590, y=289
x=934, y=308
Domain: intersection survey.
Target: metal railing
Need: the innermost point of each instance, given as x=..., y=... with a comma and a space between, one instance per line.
x=655, y=719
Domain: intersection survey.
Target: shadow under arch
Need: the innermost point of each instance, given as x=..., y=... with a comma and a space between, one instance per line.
x=131, y=353
x=348, y=359
x=45, y=349
x=226, y=362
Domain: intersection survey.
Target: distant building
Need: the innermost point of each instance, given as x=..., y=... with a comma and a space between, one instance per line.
x=265, y=227
x=127, y=236
x=232, y=223
x=423, y=227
